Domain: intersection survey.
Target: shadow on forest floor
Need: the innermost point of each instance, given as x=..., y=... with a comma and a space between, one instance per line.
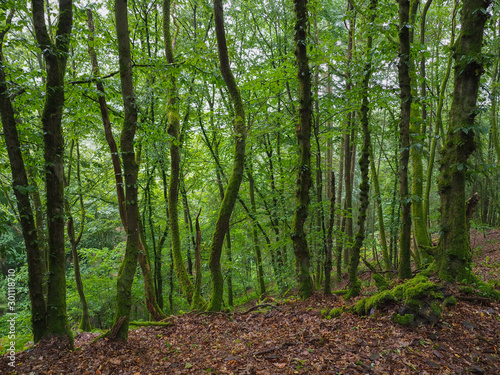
x=292, y=337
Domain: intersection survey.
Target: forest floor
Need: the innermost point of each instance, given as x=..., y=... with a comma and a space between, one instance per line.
x=292, y=337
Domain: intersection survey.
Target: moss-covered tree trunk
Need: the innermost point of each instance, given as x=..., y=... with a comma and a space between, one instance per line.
x=417, y=135
x=20, y=186
x=303, y=133
x=233, y=185
x=364, y=162
x=173, y=187
x=149, y=286
x=439, y=116
x=327, y=290
x=380, y=215
x=55, y=54
x=131, y=170
x=404, y=138
x=455, y=256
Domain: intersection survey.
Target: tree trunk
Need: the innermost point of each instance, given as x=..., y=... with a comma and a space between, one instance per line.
x=455, y=255
x=233, y=185
x=55, y=56
x=364, y=163
x=173, y=188
x=21, y=190
x=417, y=131
x=303, y=132
x=75, y=240
x=150, y=290
x=404, y=138
x=131, y=170
x=329, y=237
x=258, y=254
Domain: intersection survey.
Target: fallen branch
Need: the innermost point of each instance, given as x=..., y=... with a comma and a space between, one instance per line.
x=276, y=348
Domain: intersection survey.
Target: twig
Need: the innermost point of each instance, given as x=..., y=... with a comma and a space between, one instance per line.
x=276, y=348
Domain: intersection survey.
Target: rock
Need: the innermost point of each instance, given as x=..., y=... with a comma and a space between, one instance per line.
x=476, y=370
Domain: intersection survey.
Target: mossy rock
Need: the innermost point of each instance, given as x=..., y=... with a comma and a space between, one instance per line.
x=417, y=288
x=449, y=301
x=336, y=312
x=380, y=282
x=404, y=320
x=377, y=301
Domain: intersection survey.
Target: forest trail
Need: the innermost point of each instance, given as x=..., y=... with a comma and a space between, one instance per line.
x=292, y=337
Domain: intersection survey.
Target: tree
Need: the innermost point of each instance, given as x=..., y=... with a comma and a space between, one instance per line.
x=364, y=161
x=233, y=185
x=303, y=132
x=173, y=187
x=454, y=251
x=404, y=138
x=130, y=169
x=21, y=189
x=55, y=54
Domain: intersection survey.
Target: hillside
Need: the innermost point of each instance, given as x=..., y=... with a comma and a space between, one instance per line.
x=292, y=337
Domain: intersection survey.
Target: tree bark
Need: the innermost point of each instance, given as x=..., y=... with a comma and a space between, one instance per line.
x=233, y=185
x=150, y=290
x=303, y=133
x=455, y=255
x=258, y=253
x=364, y=163
x=20, y=186
x=55, y=56
x=404, y=138
x=75, y=239
x=173, y=188
x=131, y=170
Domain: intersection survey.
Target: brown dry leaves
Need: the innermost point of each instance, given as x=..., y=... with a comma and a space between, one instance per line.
x=293, y=339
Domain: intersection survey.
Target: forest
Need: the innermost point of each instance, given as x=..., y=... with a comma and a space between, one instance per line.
x=184, y=163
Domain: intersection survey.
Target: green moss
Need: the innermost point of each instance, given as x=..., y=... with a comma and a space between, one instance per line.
x=487, y=290
x=404, y=320
x=380, y=282
x=436, y=309
x=417, y=288
x=336, y=312
x=359, y=308
x=354, y=289
x=449, y=301
x=378, y=300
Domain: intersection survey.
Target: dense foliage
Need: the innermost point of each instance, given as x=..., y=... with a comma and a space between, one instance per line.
x=354, y=105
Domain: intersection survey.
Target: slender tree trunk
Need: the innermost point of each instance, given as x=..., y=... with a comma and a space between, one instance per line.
x=20, y=187
x=173, y=188
x=197, y=300
x=131, y=170
x=258, y=253
x=151, y=301
x=303, y=132
x=329, y=237
x=380, y=215
x=417, y=135
x=233, y=185
x=364, y=163
x=455, y=255
x=55, y=56
x=348, y=139
x=75, y=240
x=404, y=138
